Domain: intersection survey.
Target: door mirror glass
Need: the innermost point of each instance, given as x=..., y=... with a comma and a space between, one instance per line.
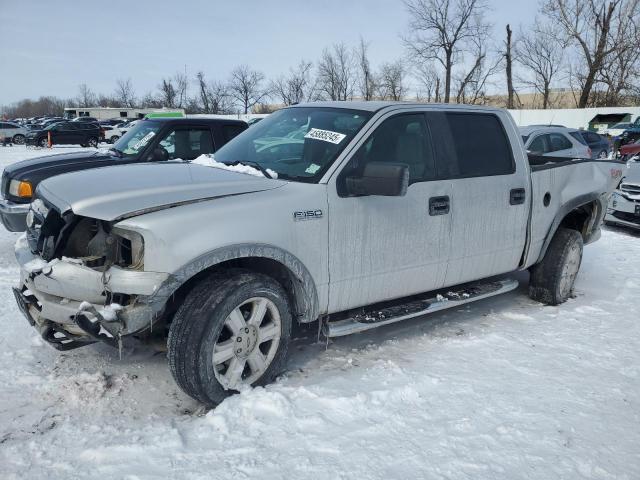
x=379, y=178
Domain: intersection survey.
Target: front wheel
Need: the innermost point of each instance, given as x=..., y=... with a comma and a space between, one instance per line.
x=18, y=139
x=232, y=330
x=92, y=142
x=603, y=155
x=44, y=142
x=114, y=139
x=552, y=279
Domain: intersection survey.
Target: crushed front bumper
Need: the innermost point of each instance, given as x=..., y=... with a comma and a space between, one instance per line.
x=13, y=215
x=57, y=297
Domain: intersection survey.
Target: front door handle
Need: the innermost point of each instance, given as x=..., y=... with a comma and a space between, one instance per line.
x=439, y=205
x=517, y=196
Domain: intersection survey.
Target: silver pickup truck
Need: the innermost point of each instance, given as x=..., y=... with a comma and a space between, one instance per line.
x=352, y=214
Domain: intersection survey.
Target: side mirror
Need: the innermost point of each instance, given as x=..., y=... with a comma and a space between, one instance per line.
x=378, y=178
x=159, y=154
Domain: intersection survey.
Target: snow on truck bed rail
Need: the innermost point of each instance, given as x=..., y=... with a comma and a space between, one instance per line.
x=505, y=388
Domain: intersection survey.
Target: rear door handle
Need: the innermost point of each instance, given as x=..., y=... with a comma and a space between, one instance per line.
x=439, y=205
x=517, y=196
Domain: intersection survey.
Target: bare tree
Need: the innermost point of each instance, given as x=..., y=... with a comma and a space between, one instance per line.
x=471, y=85
x=181, y=84
x=508, y=67
x=86, y=97
x=296, y=87
x=124, y=93
x=336, y=76
x=245, y=87
x=366, y=79
x=591, y=25
x=430, y=83
x=168, y=94
x=441, y=31
x=541, y=54
x=391, y=81
x=213, y=96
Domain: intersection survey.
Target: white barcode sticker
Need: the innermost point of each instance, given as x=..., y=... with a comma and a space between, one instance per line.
x=325, y=135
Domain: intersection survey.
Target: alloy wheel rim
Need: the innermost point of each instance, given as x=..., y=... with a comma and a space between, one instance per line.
x=247, y=343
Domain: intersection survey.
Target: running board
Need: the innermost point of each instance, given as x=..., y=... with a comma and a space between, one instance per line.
x=418, y=307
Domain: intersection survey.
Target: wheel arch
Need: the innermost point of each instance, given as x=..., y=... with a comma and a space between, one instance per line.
x=583, y=213
x=279, y=264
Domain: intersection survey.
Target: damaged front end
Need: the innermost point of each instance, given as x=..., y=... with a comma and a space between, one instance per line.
x=82, y=280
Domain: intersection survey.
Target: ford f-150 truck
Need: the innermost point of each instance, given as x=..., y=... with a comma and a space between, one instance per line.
x=352, y=214
x=150, y=140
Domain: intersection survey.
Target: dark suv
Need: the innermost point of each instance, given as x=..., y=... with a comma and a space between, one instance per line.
x=86, y=134
x=161, y=139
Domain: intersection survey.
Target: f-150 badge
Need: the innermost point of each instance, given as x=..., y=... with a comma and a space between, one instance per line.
x=307, y=215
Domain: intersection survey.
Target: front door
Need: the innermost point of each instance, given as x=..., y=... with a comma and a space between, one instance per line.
x=382, y=248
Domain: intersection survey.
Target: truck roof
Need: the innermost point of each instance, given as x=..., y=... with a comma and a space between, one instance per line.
x=379, y=105
x=226, y=121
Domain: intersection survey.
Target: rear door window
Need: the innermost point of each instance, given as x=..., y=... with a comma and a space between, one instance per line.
x=470, y=145
x=558, y=142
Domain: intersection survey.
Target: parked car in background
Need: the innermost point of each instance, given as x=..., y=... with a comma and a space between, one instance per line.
x=599, y=145
x=85, y=119
x=554, y=142
x=13, y=131
x=111, y=133
x=148, y=141
x=624, y=206
x=630, y=135
x=111, y=122
x=630, y=150
x=617, y=129
x=86, y=134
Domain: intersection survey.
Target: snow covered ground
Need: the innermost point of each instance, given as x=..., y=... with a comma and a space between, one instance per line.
x=502, y=389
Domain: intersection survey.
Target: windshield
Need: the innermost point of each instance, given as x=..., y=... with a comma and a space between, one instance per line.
x=136, y=139
x=297, y=143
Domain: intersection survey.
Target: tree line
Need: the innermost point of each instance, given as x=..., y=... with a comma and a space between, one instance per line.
x=591, y=47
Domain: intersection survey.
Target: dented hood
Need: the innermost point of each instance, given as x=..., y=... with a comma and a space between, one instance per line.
x=114, y=193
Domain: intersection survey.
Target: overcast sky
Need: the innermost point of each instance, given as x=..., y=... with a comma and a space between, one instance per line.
x=49, y=47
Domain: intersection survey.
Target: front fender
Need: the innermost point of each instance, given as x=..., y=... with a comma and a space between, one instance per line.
x=306, y=294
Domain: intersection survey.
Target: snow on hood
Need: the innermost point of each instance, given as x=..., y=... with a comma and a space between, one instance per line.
x=114, y=193
x=208, y=161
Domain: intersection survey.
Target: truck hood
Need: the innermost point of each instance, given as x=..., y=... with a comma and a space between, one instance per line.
x=58, y=161
x=115, y=193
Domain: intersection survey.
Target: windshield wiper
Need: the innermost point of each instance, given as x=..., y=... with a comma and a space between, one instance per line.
x=255, y=165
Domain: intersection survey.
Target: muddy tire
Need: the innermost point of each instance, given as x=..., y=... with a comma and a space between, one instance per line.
x=552, y=279
x=232, y=330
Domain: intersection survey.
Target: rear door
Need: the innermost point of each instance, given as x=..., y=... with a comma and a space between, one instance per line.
x=490, y=189
x=382, y=248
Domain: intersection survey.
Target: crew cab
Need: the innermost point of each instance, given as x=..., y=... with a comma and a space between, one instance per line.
x=149, y=141
x=352, y=214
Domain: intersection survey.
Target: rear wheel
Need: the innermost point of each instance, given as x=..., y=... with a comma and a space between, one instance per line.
x=603, y=154
x=553, y=278
x=18, y=139
x=92, y=142
x=114, y=139
x=232, y=330
x=43, y=142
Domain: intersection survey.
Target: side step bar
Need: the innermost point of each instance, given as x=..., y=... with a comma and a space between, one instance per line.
x=418, y=307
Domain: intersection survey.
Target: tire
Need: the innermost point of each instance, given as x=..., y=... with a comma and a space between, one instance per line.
x=114, y=139
x=603, y=155
x=43, y=142
x=92, y=142
x=211, y=320
x=18, y=139
x=552, y=279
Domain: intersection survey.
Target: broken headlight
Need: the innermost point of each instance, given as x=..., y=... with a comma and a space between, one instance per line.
x=130, y=249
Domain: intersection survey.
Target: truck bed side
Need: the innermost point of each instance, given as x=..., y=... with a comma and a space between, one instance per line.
x=558, y=189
